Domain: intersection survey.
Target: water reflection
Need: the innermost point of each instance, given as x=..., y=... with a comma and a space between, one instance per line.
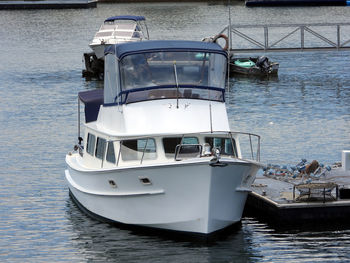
x=253, y=79
x=102, y=242
x=251, y=241
x=281, y=244
x=296, y=113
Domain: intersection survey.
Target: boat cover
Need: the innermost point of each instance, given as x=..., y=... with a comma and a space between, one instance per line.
x=247, y=63
x=121, y=50
x=92, y=100
x=127, y=17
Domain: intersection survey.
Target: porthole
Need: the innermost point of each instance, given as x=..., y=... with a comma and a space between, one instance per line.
x=112, y=183
x=145, y=180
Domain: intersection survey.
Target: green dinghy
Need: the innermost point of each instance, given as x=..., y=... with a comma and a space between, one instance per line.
x=253, y=66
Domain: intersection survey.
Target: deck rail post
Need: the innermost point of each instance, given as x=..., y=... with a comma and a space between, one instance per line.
x=144, y=149
x=251, y=146
x=294, y=193
x=302, y=29
x=266, y=36
x=338, y=37
x=120, y=149
x=337, y=192
x=258, y=150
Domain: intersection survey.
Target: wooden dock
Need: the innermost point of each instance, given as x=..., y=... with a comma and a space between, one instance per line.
x=266, y=3
x=48, y=4
x=276, y=199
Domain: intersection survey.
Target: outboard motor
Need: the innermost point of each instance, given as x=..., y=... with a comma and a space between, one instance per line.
x=263, y=63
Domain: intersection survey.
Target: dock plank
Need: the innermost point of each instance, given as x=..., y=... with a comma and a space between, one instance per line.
x=272, y=199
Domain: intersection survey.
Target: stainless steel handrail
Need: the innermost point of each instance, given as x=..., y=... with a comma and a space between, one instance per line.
x=179, y=146
x=255, y=155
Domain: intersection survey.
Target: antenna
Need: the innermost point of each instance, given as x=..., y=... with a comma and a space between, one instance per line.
x=229, y=48
x=177, y=86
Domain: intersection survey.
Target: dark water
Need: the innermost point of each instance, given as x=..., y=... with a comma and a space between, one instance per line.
x=304, y=113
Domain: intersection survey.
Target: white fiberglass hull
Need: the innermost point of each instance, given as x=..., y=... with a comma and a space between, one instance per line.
x=191, y=197
x=99, y=50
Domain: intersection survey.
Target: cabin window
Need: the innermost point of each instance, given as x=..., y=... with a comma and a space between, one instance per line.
x=138, y=149
x=90, y=147
x=171, y=143
x=110, y=157
x=223, y=144
x=100, y=148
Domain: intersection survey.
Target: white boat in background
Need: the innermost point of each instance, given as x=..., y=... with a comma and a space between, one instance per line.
x=117, y=30
x=158, y=150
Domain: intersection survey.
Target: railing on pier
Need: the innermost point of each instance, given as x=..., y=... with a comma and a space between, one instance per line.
x=288, y=37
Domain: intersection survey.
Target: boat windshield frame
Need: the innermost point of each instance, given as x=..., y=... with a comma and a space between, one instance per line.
x=171, y=74
x=123, y=28
x=170, y=92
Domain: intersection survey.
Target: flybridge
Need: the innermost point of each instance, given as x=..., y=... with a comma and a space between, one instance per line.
x=153, y=70
x=125, y=17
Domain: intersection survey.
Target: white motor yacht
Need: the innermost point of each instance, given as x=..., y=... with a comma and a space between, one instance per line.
x=119, y=29
x=158, y=150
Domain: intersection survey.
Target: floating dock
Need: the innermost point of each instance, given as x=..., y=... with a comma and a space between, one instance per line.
x=262, y=3
x=280, y=199
x=48, y=4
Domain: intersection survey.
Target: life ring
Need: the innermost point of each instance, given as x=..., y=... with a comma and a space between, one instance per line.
x=224, y=37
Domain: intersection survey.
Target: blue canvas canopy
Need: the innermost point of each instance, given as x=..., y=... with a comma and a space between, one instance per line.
x=92, y=100
x=126, y=17
x=121, y=50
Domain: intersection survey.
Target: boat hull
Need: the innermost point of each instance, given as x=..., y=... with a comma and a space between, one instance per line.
x=99, y=50
x=196, y=198
x=254, y=71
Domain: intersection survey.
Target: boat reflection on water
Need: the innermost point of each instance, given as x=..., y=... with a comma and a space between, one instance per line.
x=101, y=242
x=253, y=79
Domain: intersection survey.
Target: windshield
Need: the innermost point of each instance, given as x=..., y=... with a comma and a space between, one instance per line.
x=120, y=28
x=189, y=74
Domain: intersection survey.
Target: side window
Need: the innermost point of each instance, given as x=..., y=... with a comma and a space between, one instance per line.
x=224, y=144
x=170, y=143
x=138, y=149
x=110, y=157
x=90, y=147
x=100, y=147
